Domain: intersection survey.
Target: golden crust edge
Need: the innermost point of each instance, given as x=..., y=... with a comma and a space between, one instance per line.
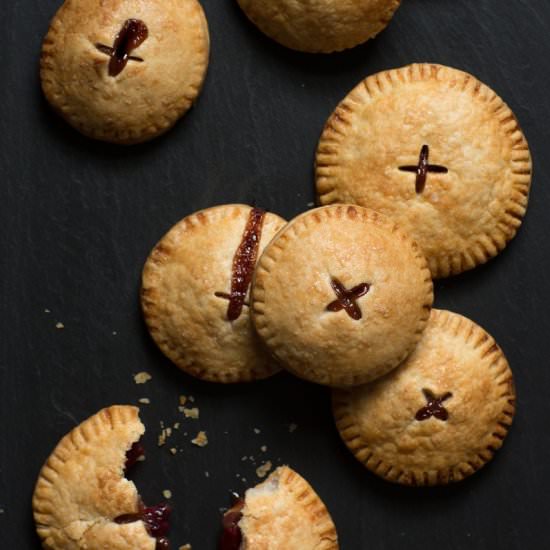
x=352, y=438
x=485, y=246
x=144, y=133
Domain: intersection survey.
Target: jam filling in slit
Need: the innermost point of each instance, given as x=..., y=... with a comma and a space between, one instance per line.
x=231, y=536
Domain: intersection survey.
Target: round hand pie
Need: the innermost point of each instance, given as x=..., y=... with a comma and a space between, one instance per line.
x=124, y=71
x=437, y=151
x=341, y=295
x=320, y=26
x=282, y=513
x=438, y=417
x=195, y=293
x=82, y=500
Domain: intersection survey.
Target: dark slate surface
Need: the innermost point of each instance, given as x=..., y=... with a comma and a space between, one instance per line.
x=79, y=218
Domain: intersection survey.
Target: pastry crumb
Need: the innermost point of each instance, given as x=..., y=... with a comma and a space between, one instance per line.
x=243, y=479
x=167, y=493
x=309, y=204
x=144, y=400
x=47, y=310
x=201, y=440
x=185, y=547
x=183, y=399
x=243, y=458
x=164, y=435
x=59, y=325
x=261, y=471
x=192, y=399
x=263, y=448
x=114, y=333
x=257, y=431
x=176, y=426
x=292, y=427
x=140, y=458
x=173, y=450
x=142, y=377
x=206, y=474
x=191, y=413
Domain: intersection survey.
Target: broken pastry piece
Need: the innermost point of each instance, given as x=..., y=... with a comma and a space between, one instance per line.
x=320, y=26
x=82, y=499
x=195, y=293
x=124, y=71
x=281, y=513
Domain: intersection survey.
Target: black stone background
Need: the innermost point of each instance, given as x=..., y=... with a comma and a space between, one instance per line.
x=78, y=219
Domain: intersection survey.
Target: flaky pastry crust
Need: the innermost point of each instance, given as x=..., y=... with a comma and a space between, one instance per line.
x=387, y=427
x=146, y=98
x=189, y=323
x=320, y=26
x=81, y=488
x=284, y=512
x=293, y=288
x=462, y=217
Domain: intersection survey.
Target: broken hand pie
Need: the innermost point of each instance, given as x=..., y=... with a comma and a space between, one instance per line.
x=438, y=152
x=341, y=295
x=281, y=513
x=320, y=26
x=438, y=417
x=82, y=500
x=124, y=71
x=195, y=293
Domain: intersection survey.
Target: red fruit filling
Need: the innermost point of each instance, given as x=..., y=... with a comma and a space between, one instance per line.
x=231, y=535
x=133, y=454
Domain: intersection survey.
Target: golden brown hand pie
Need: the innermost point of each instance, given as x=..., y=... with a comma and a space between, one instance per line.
x=82, y=500
x=438, y=417
x=341, y=295
x=438, y=152
x=124, y=71
x=320, y=26
x=282, y=513
x=195, y=293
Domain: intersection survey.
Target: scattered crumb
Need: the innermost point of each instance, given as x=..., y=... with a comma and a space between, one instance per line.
x=168, y=432
x=183, y=399
x=185, y=547
x=310, y=204
x=201, y=440
x=292, y=427
x=45, y=311
x=144, y=400
x=176, y=426
x=226, y=433
x=262, y=470
x=2, y=509
x=191, y=413
x=142, y=377
x=114, y=333
x=192, y=399
x=206, y=474
x=263, y=448
x=140, y=458
x=59, y=325
x=243, y=458
x=185, y=434
x=173, y=450
x=257, y=431
x=164, y=435
x=161, y=424
x=237, y=475
x=167, y=493
x=251, y=458
x=243, y=479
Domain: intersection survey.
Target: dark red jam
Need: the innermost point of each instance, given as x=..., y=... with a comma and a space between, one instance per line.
x=156, y=520
x=422, y=169
x=132, y=34
x=244, y=262
x=231, y=537
x=347, y=299
x=133, y=454
x=434, y=407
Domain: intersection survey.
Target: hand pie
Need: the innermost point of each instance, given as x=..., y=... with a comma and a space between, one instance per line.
x=320, y=26
x=438, y=152
x=195, y=293
x=82, y=500
x=282, y=513
x=438, y=417
x=124, y=71
x=341, y=295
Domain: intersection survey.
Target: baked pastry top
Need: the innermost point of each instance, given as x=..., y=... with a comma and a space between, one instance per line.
x=124, y=71
x=195, y=293
x=437, y=151
x=82, y=499
x=438, y=417
x=341, y=295
x=320, y=26
x=281, y=513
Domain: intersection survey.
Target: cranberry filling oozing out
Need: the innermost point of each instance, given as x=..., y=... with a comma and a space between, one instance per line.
x=231, y=535
x=155, y=518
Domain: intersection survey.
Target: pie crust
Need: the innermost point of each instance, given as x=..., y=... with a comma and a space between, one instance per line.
x=320, y=26
x=81, y=488
x=184, y=296
x=296, y=309
x=284, y=512
x=147, y=97
x=477, y=161
x=391, y=428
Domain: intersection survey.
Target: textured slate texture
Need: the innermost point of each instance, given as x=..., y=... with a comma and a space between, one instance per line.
x=79, y=218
